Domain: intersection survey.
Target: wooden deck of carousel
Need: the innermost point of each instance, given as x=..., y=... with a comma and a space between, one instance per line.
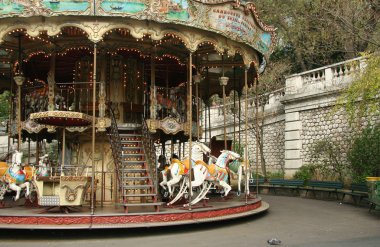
x=217, y=209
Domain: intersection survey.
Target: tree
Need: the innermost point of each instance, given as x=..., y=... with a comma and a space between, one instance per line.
x=315, y=33
x=364, y=155
x=361, y=98
x=271, y=80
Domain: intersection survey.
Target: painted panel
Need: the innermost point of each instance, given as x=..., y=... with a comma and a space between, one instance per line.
x=66, y=5
x=130, y=7
x=176, y=9
x=8, y=7
x=234, y=22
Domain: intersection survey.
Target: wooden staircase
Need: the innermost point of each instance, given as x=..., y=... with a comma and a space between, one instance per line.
x=135, y=164
x=137, y=181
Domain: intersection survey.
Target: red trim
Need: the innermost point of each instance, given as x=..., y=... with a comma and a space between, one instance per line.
x=126, y=219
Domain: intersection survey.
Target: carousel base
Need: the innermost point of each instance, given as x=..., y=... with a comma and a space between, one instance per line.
x=21, y=217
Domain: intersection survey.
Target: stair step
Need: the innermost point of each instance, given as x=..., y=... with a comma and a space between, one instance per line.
x=132, y=148
x=125, y=155
x=136, y=178
x=131, y=135
x=133, y=170
x=142, y=204
x=137, y=187
x=129, y=141
x=133, y=161
x=137, y=195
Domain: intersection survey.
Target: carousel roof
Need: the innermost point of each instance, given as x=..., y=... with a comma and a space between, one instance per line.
x=223, y=35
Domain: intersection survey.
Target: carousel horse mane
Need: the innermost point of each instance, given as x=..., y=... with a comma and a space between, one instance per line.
x=198, y=149
x=17, y=158
x=225, y=157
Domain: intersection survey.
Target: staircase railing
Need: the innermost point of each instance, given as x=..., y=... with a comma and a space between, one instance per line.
x=115, y=142
x=150, y=153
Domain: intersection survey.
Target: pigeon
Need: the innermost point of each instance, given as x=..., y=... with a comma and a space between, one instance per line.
x=274, y=241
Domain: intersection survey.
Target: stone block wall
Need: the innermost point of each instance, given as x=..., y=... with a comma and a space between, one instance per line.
x=322, y=124
x=274, y=152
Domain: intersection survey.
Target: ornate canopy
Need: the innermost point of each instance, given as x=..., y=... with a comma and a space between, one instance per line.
x=224, y=36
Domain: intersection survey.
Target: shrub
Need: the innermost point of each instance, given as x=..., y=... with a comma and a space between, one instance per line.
x=364, y=155
x=306, y=173
x=276, y=174
x=328, y=161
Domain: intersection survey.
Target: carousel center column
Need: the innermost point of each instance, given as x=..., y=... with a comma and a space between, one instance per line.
x=19, y=79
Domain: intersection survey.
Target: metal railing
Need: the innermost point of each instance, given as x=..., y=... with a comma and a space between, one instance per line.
x=115, y=142
x=150, y=153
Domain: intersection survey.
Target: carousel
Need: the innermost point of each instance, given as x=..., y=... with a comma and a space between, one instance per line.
x=108, y=123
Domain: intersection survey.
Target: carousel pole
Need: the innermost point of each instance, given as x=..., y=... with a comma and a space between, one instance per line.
x=63, y=149
x=10, y=113
x=257, y=135
x=190, y=115
x=19, y=79
x=223, y=80
x=246, y=131
x=93, y=131
x=197, y=81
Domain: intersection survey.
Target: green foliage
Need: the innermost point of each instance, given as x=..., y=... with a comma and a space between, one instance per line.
x=238, y=148
x=364, y=155
x=4, y=105
x=315, y=33
x=361, y=98
x=276, y=174
x=306, y=172
x=327, y=159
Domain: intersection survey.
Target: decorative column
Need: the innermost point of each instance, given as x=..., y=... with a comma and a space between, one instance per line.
x=102, y=108
x=19, y=79
x=197, y=81
x=223, y=82
x=153, y=100
x=51, y=83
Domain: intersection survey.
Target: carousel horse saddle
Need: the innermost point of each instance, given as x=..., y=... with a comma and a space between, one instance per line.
x=3, y=168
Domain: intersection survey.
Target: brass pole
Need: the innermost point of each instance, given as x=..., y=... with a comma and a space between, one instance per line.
x=19, y=118
x=93, y=132
x=257, y=135
x=197, y=100
x=246, y=131
x=224, y=117
x=63, y=150
x=190, y=124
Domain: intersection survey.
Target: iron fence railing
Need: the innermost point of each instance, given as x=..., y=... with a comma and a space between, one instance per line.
x=150, y=153
x=115, y=142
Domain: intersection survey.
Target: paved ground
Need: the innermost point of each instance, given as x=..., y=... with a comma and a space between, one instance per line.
x=295, y=221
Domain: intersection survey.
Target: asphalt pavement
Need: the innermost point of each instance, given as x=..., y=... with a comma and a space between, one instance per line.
x=292, y=220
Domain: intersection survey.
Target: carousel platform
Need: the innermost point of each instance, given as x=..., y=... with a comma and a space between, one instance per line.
x=217, y=209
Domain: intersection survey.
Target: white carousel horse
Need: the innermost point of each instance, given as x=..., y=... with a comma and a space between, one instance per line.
x=237, y=168
x=43, y=166
x=177, y=169
x=16, y=178
x=214, y=173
